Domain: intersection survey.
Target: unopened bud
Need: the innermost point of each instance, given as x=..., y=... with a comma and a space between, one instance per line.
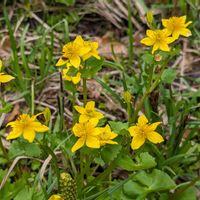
x=127, y=96
x=158, y=57
x=149, y=17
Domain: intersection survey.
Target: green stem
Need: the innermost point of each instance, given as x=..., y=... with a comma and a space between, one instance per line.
x=84, y=91
x=73, y=109
x=129, y=113
x=61, y=103
x=32, y=97
x=81, y=169
x=103, y=175
x=5, y=153
x=179, y=192
x=148, y=91
x=48, y=151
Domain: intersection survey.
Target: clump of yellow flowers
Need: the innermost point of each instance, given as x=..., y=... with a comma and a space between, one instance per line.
x=4, y=78
x=173, y=28
x=87, y=130
x=73, y=53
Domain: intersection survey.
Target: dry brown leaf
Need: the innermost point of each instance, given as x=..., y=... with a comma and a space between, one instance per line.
x=12, y=116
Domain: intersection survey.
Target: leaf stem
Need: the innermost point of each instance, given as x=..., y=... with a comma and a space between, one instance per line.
x=84, y=91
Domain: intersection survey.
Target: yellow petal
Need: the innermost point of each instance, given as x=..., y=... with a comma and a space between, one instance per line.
x=96, y=131
x=13, y=134
x=164, y=47
x=133, y=130
x=96, y=56
x=153, y=126
x=90, y=105
x=92, y=142
x=77, y=129
x=154, y=137
x=1, y=64
x=84, y=118
x=29, y=134
x=182, y=19
x=76, y=79
x=37, y=126
x=79, y=143
x=155, y=47
x=185, y=32
x=93, y=123
x=5, y=78
x=142, y=120
x=55, y=197
x=170, y=39
x=80, y=109
x=79, y=40
x=84, y=50
x=137, y=142
x=165, y=22
x=187, y=24
x=147, y=41
x=98, y=115
x=75, y=61
x=150, y=33
x=61, y=62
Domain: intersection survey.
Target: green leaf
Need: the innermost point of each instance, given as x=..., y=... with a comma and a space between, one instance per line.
x=189, y=194
x=125, y=162
x=168, y=75
x=66, y=2
x=22, y=147
x=155, y=181
x=135, y=190
x=93, y=65
x=6, y=108
x=68, y=85
x=143, y=161
x=25, y=192
x=72, y=71
x=144, y=183
x=148, y=58
x=110, y=152
x=118, y=126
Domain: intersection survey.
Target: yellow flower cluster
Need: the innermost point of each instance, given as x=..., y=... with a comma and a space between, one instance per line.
x=173, y=28
x=55, y=197
x=26, y=126
x=3, y=77
x=87, y=130
x=73, y=53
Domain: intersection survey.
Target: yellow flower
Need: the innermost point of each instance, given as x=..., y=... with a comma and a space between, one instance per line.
x=106, y=136
x=159, y=39
x=55, y=197
x=143, y=131
x=73, y=51
x=5, y=78
x=176, y=26
x=27, y=126
x=73, y=78
x=87, y=133
x=89, y=113
x=93, y=50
